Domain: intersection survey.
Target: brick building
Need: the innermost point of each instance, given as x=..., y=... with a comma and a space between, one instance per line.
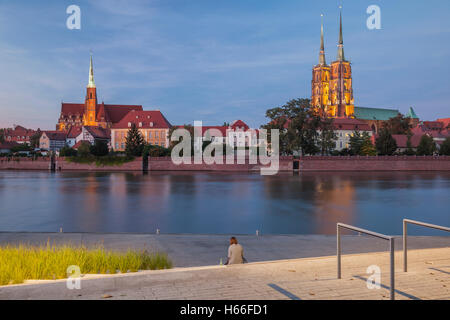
x=153, y=126
x=18, y=134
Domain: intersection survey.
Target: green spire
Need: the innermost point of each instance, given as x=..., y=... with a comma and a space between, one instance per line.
x=412, y=114
x=341, y=56
x=322, y=60
x=91, y=83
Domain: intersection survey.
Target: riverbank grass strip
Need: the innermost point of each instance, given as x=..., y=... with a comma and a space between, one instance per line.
x=20, y=263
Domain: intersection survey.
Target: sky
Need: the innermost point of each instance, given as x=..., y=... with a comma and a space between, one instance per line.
x=215, y=60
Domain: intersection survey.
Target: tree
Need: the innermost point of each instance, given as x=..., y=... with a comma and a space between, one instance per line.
x=327, y=137
x=134, y=144
x=84, y=150
x=156, y=151
x=398, y=125
x=2, y=135
x=67, y=151
x=426, y=147
x=34, y=139
x=21, y=147
x=367, y=148
x=385, y=143
x=409, y=149
x=99, y=148
x=357, y=140
x=297, y=125
x=445, y=148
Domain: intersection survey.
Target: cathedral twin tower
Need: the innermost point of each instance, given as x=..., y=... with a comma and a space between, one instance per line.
x=332, y=92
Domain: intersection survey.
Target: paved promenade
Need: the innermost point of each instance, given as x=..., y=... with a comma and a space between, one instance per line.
x=207, y=250
x=299, y=279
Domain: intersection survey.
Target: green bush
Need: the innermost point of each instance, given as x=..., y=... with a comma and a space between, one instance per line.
x=67, y=151
x=156, y=151
x=100, y=148
x=109, y=160
x=426, y=147
x=445, y=148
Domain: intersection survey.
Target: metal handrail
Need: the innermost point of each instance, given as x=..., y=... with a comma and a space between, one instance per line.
x=405, y=236
x=373, y=234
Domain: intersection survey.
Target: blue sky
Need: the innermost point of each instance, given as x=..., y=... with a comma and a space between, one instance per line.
x=216, y=60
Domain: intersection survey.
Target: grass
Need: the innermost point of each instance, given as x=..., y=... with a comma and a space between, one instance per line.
x=23, y=262
x=101, y=161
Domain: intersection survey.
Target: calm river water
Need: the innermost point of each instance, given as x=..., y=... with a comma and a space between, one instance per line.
x=212, y=203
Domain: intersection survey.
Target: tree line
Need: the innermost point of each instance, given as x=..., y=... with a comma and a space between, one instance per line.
x=304, y=131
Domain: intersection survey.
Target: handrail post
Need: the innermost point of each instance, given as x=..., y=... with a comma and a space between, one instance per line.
x=405, y=248
x=405, y=236
x=392, y=249
x=338, y=252
x=373, y=234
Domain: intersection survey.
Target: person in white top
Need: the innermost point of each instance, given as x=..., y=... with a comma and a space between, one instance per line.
x=235, y=252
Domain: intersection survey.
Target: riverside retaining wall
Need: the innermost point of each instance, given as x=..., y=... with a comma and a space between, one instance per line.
x=388, y=163
x=154, y=164
x=287, y=164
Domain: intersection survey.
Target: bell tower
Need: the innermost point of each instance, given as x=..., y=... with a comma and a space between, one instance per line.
x=90, y=105
x=320, y=95
x=341, y=88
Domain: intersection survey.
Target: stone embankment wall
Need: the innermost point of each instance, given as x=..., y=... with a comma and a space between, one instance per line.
x=391, y=163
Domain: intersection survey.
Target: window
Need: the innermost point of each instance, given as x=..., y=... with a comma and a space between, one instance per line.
x=140, y=124
x=129, y=124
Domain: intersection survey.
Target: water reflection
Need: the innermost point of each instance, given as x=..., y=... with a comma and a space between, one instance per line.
x=187, y=202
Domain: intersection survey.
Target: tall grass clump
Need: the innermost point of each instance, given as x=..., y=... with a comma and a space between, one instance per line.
x=23, y=262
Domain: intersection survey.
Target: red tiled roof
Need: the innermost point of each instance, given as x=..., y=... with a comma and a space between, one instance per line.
x=99, y=132
x=56, y=135
x=350, y=124
x=72, y=108
x=115, y=113
x=239, y=123
x=105, y=112
x=402, y=140
x=222, y=129
x=445, y=121
x=433, y=125
x=74, y=132
x=19, y=131
x=148, y=119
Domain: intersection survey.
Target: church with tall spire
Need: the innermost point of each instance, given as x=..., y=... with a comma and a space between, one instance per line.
x=91, y=112
x=332, y=89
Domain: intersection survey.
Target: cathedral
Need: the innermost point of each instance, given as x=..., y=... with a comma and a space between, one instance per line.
x=332, y=91
x=92, y=113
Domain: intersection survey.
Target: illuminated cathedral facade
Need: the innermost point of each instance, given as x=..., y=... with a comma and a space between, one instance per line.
x=332, y=89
